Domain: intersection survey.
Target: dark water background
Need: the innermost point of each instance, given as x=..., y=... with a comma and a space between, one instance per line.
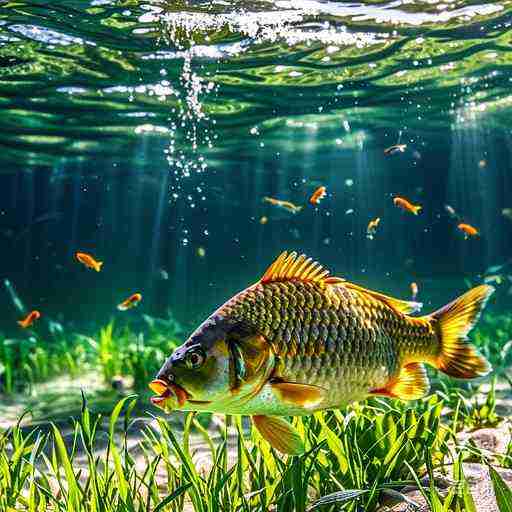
x=143, y=131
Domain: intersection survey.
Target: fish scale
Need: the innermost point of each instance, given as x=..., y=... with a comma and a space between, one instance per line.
x=318, y=325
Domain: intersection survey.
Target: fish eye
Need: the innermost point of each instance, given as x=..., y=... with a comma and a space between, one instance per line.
x=195, y=358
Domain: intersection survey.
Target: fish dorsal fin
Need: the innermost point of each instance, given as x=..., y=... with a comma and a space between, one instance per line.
x=292, y=267
x=402, y=306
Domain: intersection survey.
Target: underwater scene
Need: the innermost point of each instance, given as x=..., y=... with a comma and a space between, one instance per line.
x=256, y=255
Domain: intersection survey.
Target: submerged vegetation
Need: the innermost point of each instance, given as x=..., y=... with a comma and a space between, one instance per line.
x=362, y=458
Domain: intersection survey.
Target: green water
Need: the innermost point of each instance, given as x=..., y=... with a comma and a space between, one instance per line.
x=146, y=133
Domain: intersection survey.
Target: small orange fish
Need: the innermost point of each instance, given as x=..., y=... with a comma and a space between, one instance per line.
x=468, y=230
x=130, y=302
x=29, y=319
x=318, y=195
x=414, y=291
x=397, y=148
x=406, y=205
x=372, y=228
x=286, y=205
x=89, y=261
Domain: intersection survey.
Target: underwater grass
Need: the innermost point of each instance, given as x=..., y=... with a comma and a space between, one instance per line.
x=355, y=460
x=114, y=352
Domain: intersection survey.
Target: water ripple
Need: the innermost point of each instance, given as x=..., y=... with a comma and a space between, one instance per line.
x=74, y=75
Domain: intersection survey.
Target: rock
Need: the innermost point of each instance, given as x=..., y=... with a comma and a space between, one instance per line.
x=477, y=476
x=490, y=440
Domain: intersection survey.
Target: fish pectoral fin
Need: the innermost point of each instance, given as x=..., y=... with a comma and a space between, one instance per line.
x=410, y=384
x=303, y=395
x=280, y=434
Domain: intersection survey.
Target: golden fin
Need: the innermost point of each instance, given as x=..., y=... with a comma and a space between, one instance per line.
x=410, y=384
x=401, y=306
x=458, y=357
x=291, y=267
x=302, y=395
x=280, y=434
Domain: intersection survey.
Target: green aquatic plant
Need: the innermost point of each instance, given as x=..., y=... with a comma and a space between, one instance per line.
x=27, y=361
x=355, y=460
x=115, y=352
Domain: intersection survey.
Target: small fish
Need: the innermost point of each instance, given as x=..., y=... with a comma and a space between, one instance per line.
x=496, y=268
x=130, y=302
x=89, y=261
x=414, y=291
x=286, y=205
x=163, y=274
x=497, y=279
x=349, y=182
x=201, y=252
x=263, y=220
x=372, y=228
x=349, y=211
x=405, y=205
x=299, y=341
x=450, y=210
x=507, y=213
x=29, y=319
x=318, y=195
x=468, y=230
x=397, y=148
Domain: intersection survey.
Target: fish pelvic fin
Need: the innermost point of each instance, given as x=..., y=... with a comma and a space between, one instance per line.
x=280, y=434
x=410, y=384
x=458, y=357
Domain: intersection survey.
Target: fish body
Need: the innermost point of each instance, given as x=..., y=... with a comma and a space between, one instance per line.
x=263, y=220
x=397, y=148
x=131, y=302
x=406, y=205
x=201, y=252
x=89, y=261
x=285, y=205
x=372, y=228
x=468, y=230
x=318, y=195
x=29, y=320
x=414, y=291
x=450, y=210
x=299, y=341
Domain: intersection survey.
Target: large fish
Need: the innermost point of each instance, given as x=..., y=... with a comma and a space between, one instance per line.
x=299, y=341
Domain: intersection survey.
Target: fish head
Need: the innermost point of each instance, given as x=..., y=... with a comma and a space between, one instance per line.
x=223, y=362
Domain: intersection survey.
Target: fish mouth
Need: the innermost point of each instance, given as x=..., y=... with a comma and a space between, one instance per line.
x=167, y=392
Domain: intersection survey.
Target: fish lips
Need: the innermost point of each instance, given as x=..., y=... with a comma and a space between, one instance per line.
x=167, y=392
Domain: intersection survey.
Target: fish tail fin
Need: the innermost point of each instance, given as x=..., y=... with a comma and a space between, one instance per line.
x=99, y=265
x=417, y=209
x=458, y=357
